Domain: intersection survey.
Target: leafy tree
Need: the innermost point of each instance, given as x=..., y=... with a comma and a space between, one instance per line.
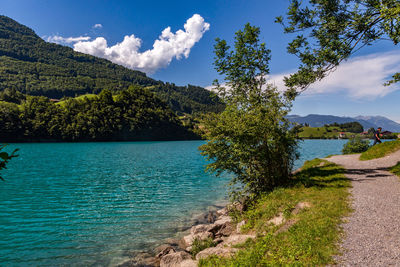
x=10, y=122
x=5, y=158
x=330, y=31
x=11, y=96
x=251, y=137
x=353, y=127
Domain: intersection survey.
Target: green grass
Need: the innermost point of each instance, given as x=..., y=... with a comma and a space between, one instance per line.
x=330, y=132
x=396, y=169
x=381, y=150
x=313, y=239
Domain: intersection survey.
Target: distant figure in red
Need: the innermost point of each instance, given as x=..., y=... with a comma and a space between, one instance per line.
x=377, y=136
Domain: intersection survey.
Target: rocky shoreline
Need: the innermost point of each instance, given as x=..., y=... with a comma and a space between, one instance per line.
x=214, y=225
x=217, y=234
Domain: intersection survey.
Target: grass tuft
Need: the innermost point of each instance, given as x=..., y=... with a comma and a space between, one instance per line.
x=199, y=245
x=313, y=238
x=381, y=150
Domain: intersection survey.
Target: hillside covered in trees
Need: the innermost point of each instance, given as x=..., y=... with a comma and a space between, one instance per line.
x=32, y=66
x=131, y=115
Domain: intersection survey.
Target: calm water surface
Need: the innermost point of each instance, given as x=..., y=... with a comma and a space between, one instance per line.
x=93, y=204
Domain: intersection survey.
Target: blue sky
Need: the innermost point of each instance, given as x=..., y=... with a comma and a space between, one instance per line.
x=354, y=90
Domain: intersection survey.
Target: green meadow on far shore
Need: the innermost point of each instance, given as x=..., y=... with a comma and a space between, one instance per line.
x=332, y=132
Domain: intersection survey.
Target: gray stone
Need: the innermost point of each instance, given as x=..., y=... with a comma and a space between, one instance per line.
x=222, y=212
x=223, y=220
x=175, y=259
x=218, y=251
x=225, y=230
x=201, y=228
x=188, y=263
x=277, y=220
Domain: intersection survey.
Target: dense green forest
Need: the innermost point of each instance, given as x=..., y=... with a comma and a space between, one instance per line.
x=132, y=114
x=32, y=66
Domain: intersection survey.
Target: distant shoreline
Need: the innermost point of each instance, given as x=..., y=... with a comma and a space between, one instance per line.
x=43, y=141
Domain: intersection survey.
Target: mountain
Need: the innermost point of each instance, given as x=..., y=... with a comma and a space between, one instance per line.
x=315, y=120
x=35, y=67
x=383, y=122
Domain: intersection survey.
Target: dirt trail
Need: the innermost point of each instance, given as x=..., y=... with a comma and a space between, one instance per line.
x=372, y=232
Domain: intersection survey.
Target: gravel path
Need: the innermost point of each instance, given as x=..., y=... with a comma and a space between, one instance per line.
x=372, y=232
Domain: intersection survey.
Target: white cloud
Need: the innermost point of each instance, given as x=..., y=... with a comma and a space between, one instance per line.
x=168, y=46
x=66, y=40
x=360, y=77
x=97, y=26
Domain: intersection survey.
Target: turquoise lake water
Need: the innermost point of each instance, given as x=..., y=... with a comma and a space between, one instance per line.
x=92, y=204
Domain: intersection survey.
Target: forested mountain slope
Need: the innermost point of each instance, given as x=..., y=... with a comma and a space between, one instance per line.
x=35, y=67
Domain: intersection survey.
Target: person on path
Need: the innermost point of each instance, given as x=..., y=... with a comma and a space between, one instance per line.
x=377, y=134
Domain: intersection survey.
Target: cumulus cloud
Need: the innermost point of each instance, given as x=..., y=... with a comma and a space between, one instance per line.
x=97, y=26
x=66, y=40
x=360, y=77
x=169, y=45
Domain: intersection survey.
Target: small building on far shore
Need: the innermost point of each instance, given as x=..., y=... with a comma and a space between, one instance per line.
x=342, y=135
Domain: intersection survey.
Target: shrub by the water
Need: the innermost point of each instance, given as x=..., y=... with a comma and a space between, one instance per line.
x=355, y=145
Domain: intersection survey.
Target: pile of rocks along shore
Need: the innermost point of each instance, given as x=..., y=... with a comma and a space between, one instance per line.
x=174, y=253
x=220, y=228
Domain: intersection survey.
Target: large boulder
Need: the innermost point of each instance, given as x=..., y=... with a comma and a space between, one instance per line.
x=222, y=220
x=201, y=228
x=218, y=251
x=226, y=229
x=175, y=259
